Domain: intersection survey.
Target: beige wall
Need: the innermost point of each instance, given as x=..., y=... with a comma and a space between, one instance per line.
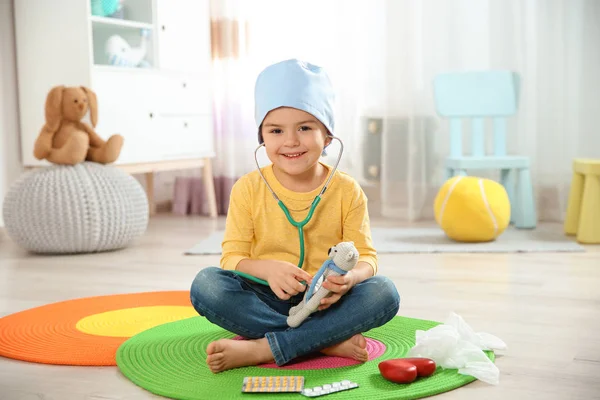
x=10, y=165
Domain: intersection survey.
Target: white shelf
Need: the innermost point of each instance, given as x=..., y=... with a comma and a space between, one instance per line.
x=132, y=70
x=130, y=32
x=121, y=22
x=138, y=102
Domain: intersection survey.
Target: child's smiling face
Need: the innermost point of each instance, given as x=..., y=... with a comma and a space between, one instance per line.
x=294, y=139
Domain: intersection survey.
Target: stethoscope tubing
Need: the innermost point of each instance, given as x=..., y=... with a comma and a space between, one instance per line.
x=298, y=224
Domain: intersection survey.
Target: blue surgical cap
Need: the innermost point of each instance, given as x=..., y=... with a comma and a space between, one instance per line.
x=297, y=84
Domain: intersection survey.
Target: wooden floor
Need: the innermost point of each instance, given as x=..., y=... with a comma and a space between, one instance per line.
x=546, y=307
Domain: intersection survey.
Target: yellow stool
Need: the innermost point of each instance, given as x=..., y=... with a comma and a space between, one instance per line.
x=583, y=210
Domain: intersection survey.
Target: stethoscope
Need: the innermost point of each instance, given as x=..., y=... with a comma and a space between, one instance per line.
x=298, y=224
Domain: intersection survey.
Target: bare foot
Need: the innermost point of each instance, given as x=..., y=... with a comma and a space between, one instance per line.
x=355, y=348
x=226, y=354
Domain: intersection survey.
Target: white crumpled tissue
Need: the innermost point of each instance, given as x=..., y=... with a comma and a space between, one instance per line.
x=454, y=345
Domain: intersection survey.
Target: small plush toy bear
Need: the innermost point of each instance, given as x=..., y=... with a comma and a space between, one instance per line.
x=342, y=258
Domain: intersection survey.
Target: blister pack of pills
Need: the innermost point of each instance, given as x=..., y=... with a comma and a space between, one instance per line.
x=329, y=388
x=272, y=384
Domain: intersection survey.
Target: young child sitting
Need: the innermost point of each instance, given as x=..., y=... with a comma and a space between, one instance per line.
x=294, y=112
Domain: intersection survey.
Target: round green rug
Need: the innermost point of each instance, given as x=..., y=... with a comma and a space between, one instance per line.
x=169, y=360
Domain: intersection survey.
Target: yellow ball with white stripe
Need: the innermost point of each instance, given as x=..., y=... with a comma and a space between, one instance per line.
x=472, y=209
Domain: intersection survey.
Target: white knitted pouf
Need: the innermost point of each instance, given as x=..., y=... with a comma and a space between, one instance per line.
x=84, y=208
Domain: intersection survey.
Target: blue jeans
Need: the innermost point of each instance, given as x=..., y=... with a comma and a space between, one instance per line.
x=253, y=311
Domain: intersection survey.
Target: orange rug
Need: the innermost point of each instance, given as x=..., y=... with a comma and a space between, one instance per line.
x=88, y=331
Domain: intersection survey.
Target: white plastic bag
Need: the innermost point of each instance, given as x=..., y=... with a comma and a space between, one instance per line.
x=454, y=345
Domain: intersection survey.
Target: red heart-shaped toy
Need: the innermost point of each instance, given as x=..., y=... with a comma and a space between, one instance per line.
x=406, y=370
x=425, y=366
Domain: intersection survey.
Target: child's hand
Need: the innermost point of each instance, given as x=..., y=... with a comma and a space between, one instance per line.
x=284, y=279
x=339, y=286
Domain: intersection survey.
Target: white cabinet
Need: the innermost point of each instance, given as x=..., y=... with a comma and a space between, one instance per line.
x=131, y=111
x=184, y=93
x=181, y=130
x=179, y=27
x=162, y=107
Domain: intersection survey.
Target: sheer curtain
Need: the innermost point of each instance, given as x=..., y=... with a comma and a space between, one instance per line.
x=334, y=34
x=232, y=95
x=233, y=133
x=248, y=36
x=555, y=47
x=382, y=56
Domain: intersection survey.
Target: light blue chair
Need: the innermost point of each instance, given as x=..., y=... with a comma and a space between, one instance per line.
x=476, y=96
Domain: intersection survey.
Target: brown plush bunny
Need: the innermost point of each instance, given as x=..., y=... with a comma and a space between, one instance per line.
x=64, y=138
